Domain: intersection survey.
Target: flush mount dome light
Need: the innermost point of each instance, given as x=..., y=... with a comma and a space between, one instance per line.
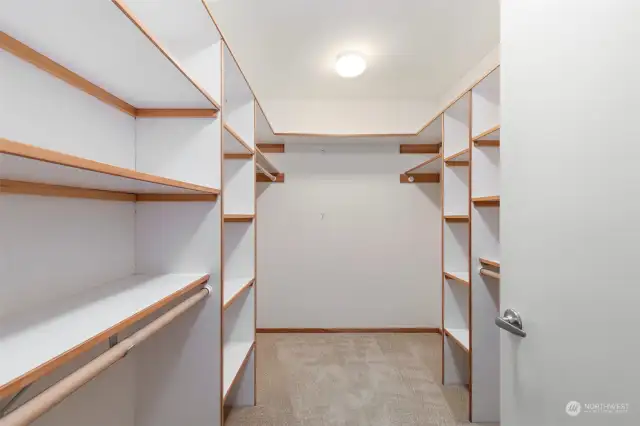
x=350, y=64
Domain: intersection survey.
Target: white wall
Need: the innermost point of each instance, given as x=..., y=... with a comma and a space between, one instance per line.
x=343, y=244
x=345, y=116
x=489, y=62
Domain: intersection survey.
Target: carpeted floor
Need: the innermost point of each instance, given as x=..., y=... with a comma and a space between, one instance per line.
x=351, y=380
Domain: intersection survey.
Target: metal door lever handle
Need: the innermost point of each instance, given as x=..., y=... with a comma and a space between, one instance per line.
x=511, y=322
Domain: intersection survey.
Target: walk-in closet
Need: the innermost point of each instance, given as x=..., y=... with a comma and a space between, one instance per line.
x=318, y=213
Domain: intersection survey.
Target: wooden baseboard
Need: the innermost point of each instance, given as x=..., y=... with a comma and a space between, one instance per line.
x=352, y=330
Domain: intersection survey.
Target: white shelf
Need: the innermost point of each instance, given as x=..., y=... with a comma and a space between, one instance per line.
x=102, y=44
x=235, y=356
x=233, y=287
x=462, y=277
x=492, y=134
x=462, y=155
x=432, y=165
x=48, y=335
x=27, y=163
x=233, y=142
x=460, y=335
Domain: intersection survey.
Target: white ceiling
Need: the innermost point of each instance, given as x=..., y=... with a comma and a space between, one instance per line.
x=415, y=49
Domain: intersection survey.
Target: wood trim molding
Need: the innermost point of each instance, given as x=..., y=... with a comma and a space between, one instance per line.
x=54, y=157
x=420, y=148
x=424, y=163
x=176, y=113
x=487, y=142
x=125, y=10
x=262, y=178
x=420, y=178
x=456, y=155
x=146, y=198
x=486, y=132
x=39, y=60
x=238, y=294
x=239, y=217
x=449, y=276
x=240, y=370
x=42, y=189
x=233, y=133
x=456, y=218
x=457, y=164
x=238, y=156
x=352, y=330
x=492, y=201
x=47, y=367
x=271, y=148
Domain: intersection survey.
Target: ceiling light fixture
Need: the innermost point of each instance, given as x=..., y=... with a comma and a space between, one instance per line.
x=350, y=64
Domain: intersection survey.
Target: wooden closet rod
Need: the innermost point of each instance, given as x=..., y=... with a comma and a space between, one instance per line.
x=52, y=396
x=265, y=172
x=483, y=271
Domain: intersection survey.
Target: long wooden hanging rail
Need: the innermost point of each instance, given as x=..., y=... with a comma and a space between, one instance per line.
x=36, y=407
x=265, y=172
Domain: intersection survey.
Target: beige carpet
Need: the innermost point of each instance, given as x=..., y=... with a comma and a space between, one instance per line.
x=351, y=380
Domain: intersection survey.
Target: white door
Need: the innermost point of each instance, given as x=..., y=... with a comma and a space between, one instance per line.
x=570, y=212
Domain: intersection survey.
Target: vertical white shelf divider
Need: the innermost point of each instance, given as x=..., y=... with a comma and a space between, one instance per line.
x=239, y=242
x=456, y=321
x=111, y=262
x=485, y=226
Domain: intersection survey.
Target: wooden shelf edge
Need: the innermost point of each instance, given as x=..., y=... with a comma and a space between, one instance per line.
x=237, y=137
x=424, y=163
x=47, y=367
x=451, y=276
x=271, y=148
x=238, y=156
x=489, y=262
x=35, y=58
x=456, y=218
x=423, y=148
x=41, y=154
x=125, y=10
x=262, y=178
x=238, y=217
x=8, y=186
x=456, y=155
x=238, y=294
x=487, y=143
x=491, y=201
x=420, y=178
x=239, y=372
x=51, y=67
x=458, y=342
x=176, y=113
x=486, y=132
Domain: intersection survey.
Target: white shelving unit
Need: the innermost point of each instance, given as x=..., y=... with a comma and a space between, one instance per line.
x=110, y=175
x=456, y=288
x=485, y=244
x=239, y=247
x=106, y=43
x=471, y=242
